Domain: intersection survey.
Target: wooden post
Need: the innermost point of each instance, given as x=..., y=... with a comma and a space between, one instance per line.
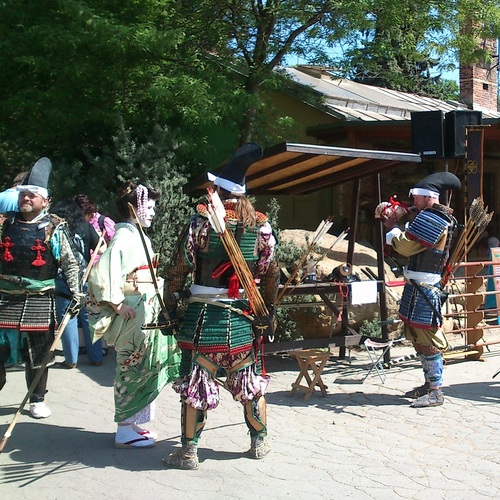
x=473, y=283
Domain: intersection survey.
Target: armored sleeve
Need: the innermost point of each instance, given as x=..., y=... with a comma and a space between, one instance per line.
x=68, y=261
x=267, y=264
x=177, y=272
x=269, y=283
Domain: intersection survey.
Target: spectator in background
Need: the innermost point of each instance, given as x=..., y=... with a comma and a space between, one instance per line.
x=490, y=302
x=85, y=239
x=100, y=222
x=10, y=197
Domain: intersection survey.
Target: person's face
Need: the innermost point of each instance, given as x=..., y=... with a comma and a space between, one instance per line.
x=31, y=204
x=150, y=213
x=422, y=202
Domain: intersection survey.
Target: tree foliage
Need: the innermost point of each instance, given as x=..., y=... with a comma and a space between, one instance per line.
x=253, y=37
x=71, y=70
x=152, y=162
x=408, y=45
x=74, y=72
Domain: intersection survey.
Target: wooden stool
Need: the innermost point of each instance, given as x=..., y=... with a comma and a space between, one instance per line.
x=315, y=360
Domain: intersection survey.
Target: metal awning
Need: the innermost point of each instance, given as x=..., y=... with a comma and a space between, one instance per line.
x=298, y=169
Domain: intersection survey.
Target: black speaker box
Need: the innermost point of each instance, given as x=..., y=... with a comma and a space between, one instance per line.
x=454, y=126
x=427, y=133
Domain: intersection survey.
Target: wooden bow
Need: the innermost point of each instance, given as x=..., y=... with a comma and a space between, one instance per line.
x=150, y=264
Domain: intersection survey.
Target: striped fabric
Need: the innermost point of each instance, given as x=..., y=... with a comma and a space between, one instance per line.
x=428, y=227
x=28, y=313
x=207, y=328
x=416, y=311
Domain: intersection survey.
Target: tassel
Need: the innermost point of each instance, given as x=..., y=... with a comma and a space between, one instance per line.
x=6, y=244
x=264, y=372
x=39, y=248
x=233, y=289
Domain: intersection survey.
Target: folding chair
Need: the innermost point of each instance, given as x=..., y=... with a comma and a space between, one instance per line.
x=376, y=351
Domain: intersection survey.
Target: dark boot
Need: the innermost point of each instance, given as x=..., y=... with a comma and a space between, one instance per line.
x=417, y=391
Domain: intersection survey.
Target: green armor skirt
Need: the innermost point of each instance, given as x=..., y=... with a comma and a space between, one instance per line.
x=208, y=328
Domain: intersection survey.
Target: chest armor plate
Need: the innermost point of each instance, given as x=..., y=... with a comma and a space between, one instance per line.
x=24, y=252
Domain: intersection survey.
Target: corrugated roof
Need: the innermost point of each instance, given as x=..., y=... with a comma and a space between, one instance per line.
x=356, y=101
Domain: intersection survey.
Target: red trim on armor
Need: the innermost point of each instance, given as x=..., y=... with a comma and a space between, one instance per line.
x=45, y=328
x=418, y=325
x=214, y=348
x=424, y=243
x=24, y=328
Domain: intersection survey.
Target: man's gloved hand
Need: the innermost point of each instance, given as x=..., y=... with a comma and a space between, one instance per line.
x=265, y=326
x=169, y=328
x=76, y=303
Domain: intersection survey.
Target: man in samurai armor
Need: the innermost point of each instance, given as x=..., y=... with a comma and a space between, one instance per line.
x=426, y=241
x=216, y=334
x=33, y=246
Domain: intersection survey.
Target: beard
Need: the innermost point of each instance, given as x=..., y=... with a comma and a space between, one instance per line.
x=26, y=208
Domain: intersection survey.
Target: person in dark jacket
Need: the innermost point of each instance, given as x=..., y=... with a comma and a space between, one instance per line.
x=85, y=239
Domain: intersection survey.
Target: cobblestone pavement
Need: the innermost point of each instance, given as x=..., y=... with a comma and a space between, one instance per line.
x=361, y=441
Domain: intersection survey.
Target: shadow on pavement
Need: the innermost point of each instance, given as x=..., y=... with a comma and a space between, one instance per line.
x=335, y=401
x=482, y=392
x=61, y=449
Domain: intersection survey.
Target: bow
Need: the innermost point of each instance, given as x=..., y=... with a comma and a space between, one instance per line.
x=150, y=264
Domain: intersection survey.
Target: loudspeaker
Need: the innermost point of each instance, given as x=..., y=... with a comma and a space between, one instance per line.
x=454, y=126
x=427, y=133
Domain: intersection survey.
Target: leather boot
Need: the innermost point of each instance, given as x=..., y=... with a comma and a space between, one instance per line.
x=259, y=447
x=186, y=458
x=418, y=391
x=433, y=398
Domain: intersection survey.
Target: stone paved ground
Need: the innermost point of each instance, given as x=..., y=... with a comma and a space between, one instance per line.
x=361, y=441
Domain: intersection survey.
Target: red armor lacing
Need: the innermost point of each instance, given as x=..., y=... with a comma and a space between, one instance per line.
x=6, y=244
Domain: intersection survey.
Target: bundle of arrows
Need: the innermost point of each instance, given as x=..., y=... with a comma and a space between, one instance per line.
x=216, y=216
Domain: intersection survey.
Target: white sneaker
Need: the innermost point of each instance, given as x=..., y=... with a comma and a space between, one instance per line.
x=39, y=410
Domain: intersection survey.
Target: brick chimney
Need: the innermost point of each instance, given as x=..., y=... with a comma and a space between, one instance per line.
x=479, y=82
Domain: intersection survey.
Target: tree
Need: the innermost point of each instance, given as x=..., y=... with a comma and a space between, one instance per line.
x=151, y=162
x=401, y=42
x=71, y=70
x=391, y=52
x=248, y=40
